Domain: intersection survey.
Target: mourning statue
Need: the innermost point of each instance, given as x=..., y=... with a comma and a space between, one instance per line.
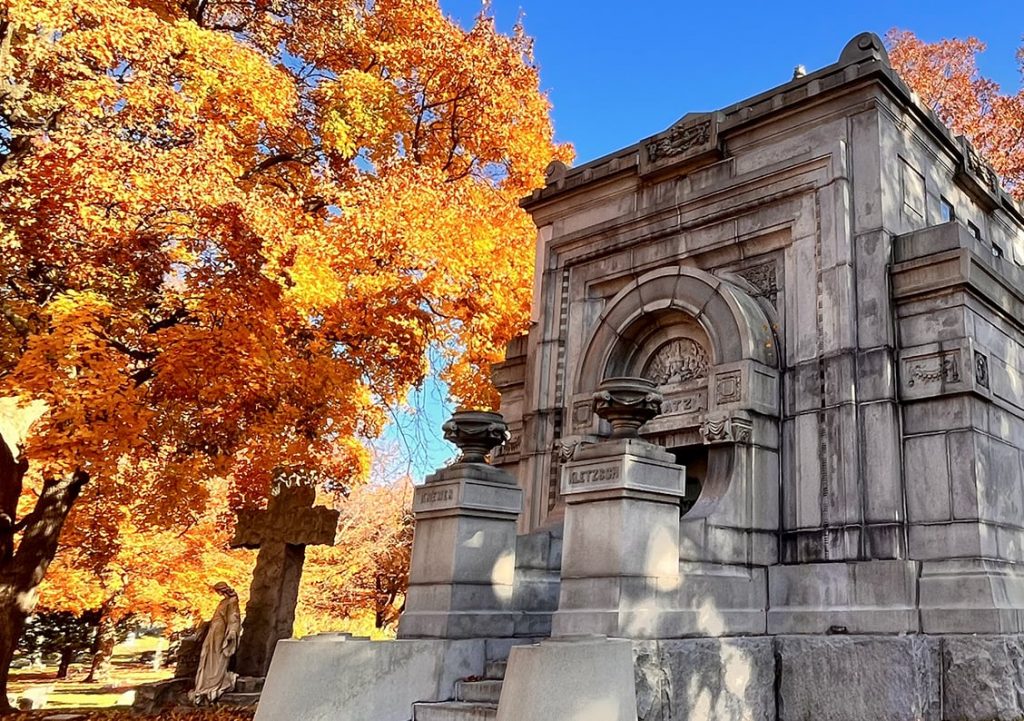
x=213, y=678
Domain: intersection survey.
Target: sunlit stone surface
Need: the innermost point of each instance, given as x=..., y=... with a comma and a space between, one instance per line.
x=824, y=516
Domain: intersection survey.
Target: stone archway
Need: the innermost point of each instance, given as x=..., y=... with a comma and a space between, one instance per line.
x=736, y=326
x=712, y=349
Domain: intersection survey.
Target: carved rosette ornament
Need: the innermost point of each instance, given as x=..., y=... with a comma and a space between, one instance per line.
x=627, y=403
x=476, y=433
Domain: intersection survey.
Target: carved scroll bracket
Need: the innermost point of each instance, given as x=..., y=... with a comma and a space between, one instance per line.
x=720, y=428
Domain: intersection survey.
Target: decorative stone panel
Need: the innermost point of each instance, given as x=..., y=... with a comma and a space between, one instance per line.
x=746, y=385
x=945, y=368
x=693, y=141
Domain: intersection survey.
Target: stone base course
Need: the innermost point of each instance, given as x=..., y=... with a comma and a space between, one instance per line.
x=832, y=678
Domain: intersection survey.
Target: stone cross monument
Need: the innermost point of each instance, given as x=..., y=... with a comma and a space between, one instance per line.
x=282, y=533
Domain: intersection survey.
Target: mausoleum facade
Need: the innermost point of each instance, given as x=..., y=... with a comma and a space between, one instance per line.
x=767, y=428
x=827, y=288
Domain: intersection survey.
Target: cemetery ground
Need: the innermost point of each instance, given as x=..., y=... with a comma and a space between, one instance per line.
x=125, y=714
x=74, y=699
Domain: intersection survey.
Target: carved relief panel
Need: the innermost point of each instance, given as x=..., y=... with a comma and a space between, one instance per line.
x=677, y=361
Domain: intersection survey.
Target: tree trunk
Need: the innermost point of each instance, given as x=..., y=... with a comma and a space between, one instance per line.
x=379, y=605
x=102, y=650
x=67, y=654
x=12, y=623
x=22, y=571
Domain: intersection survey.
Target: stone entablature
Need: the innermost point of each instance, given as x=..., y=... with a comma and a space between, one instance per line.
x=697, y=135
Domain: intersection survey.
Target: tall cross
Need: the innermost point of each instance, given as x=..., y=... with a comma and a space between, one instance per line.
x=282, y=533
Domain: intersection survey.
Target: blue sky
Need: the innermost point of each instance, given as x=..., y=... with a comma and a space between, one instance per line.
x=617, y=72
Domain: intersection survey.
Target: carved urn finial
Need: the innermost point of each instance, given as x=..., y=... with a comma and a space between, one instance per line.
x=627, y=403
x=476, y=433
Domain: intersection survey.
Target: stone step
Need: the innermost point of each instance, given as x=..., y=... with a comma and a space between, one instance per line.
x=249, y=684
x=485, y=691
x=495, y=669
x=239, y=699
x=454, y=711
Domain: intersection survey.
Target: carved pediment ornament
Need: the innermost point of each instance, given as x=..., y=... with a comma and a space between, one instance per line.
x=677, y=361
x=680, y=139
x=977, y=165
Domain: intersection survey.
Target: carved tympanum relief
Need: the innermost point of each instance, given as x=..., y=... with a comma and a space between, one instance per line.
x=678, y=361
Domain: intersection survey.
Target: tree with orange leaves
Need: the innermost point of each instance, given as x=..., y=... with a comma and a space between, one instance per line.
x=229, y=233
x=163, y=576
x=366, y=572
x=946, y=77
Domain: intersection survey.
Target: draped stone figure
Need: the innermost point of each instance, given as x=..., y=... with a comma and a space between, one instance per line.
x=213, y=678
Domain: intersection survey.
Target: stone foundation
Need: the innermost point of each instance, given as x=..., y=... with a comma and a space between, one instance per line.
x=726, y=679
x=832, y=678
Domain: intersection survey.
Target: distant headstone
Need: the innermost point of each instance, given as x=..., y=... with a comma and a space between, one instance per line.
x=281, y=533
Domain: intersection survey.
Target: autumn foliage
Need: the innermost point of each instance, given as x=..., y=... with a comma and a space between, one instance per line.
x=365, y=574
x=122, y=714
x=229, y=233
x=946, y=77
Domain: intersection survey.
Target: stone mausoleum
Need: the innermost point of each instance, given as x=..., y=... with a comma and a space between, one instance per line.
x=765, y=446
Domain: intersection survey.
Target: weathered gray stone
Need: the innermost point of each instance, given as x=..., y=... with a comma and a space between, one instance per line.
x=858, y=678
x=189, y=650
x=338, y=679
x=464, y=549
x=983, y=678
x=862, y=597
x=570, y=680
x=282, y=532
x=729, y=679
x=151, y=698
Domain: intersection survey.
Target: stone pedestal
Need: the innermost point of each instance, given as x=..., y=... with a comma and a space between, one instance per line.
x=333, y=677
x=570, y=680
x=620, y=563
x=464, y=548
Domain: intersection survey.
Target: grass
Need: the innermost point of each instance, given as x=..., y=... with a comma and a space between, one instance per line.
x=73, y=693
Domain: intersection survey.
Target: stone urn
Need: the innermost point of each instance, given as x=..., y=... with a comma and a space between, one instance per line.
x=627, y=403
x=476, y=433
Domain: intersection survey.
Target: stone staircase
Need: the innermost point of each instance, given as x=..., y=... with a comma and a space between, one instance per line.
x=475, y=699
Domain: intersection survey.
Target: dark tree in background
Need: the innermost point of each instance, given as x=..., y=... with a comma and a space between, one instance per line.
x=60, y=633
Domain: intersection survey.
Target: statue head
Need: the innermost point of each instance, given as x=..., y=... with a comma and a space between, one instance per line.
x=224, y=589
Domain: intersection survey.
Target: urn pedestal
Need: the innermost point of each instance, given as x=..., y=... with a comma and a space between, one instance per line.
x=463, y=555
x=620, y=560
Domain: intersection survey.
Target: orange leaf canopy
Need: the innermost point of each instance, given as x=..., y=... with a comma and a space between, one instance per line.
x=230, y=232
x=945, y=75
